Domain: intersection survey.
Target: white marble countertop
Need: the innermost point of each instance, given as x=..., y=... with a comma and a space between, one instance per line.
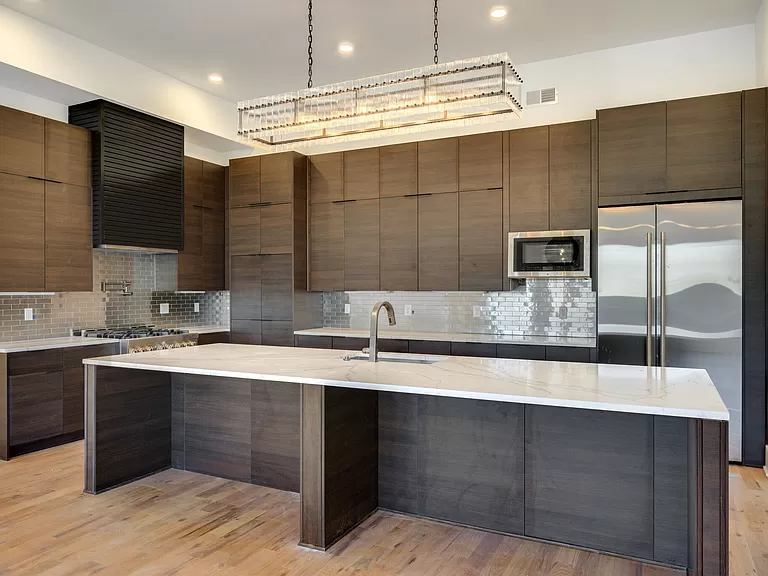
x=636, y=389
x=48, y=343
x=386, y=333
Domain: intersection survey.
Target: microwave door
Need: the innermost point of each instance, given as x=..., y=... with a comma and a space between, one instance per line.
x=626, y=289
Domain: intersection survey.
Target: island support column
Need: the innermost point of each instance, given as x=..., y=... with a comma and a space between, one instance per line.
x=339, y=462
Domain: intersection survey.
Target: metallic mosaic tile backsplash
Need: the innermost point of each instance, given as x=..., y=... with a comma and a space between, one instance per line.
x=538, y=308
x=153, y=281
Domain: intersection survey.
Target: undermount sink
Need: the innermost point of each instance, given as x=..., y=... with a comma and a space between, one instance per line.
x=397, y=359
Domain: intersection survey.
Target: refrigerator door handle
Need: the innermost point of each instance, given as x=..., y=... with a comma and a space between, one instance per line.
x=649, y=300
x=663, y=299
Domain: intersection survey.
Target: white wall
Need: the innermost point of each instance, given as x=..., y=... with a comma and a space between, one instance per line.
x=761, y=44
x=32, y=104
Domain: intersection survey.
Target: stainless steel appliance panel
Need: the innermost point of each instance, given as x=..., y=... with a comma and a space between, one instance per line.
x=626, y=285
x=700, y=297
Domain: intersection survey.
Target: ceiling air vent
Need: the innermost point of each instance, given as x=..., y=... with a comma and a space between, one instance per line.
x=541, y=97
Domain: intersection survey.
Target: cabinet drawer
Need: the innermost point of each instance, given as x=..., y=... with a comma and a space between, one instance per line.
x=567, y=354
x=343, y=343
x=73, y=357
x=399, y=346
x=521, y=352
x=35, y=406
x=213, y=338
x=34, y=362
x=476, y=349
x=429, y=347
x=323, y=342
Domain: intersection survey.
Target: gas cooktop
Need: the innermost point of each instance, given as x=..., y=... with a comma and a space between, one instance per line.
x=134, y=332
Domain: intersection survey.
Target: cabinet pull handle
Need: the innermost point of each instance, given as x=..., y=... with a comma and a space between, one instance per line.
x=342, y=201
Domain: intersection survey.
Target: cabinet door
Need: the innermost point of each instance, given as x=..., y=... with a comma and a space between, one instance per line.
x=213, y=186
x=361, y=174
x=326, y=247
x=245, y=287
x=276, y=229
x=480, y=240
x=35, y=406
x=704, y=143
x=245, y=332
x=529, y=179
x=570, y=176
x=22, y=143
x=277, y=178
x=244, y=231
x=277, y=288
x=632, y=150
x=361, y=245
x=213, y=248
x=276, y=333
x=398, y=170
x=22, y=234
x=73, y=400
x=438, y=166
x=439, y=242
x=67, y=153
x=244, y=181
x=480, y=161
x=399, y=241
x=68, y=238
x=190, y=259
x=326, y=178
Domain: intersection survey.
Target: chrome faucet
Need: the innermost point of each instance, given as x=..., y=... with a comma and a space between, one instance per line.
x=373, y=352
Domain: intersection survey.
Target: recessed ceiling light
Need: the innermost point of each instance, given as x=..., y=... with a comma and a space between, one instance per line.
x=215, y=78
x=346, y=48
x=499, y=13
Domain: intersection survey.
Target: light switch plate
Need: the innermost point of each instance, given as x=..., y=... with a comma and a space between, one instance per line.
x=165, y=308
x=29, y=314
x=197, y=306
x=408, y=311
x=347, y=308
x=476, y=311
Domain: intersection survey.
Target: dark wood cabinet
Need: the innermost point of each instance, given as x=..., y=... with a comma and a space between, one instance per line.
x=277, y=333
x=21, y=363
x=22, y=143
x=22, y=234
x=438, y=166
x=326, y=246
x=67, y=153
x=244, y=231
x=322, y=342
x=480, y=240
x=68, y=238
x=520, y=352
x=326, y=178
x=439, y=242
x=398, y=170
x=190, y=272
x=429, y=347
x=213, y=338
x=473, y=349
x=361, y=245
x=244, y=181
x=277, y=178
x=361, y=174
x=398, y=243
x=567, y=354
x=245, y=289
x=529, y=179
x=704, y=143
x=480, y=161
x=72, y=400
x=570, y=176
x=277, y=288
x=276, y=229
x=214, y=249
x=35, y=406
x=245, y=331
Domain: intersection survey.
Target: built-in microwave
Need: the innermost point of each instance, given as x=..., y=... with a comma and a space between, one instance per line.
x=550, y=254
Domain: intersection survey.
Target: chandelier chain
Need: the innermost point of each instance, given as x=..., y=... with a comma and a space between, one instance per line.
x=309, y=48
x=436, y=22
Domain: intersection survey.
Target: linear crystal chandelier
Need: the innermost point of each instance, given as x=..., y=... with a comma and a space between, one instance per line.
x=470, y=91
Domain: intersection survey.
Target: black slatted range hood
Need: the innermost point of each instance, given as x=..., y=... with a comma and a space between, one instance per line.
x=138, y=177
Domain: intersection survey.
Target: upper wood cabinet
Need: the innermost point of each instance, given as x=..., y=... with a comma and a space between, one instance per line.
x=529, y=179
x=326, y=246
x=398, y=243
x=244, y=231
x=67, y=153
x=439, y=242
x=570, y=176
x=68, y=238
x=438, y=166
x=398, y=170
x=704, y=143
x=22, y=143
x=213, y=186
x=632, y=150
x=277, y=287
x=361, y=245
x=361, y=174
x=244, y=181
x=276, y=229
x=277, y=178
x=190, y=271
x=326, y=178
x=22, y=234
x=480, y=161
x=480, y=240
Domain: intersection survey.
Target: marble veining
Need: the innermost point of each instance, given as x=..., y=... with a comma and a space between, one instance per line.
x=678, y=392
x=48, y=343
x=387, y=333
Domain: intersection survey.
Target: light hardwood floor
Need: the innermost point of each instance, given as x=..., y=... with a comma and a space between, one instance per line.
x=182, y=523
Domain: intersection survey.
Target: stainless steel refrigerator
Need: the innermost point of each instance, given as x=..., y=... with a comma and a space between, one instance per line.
x=670, y=293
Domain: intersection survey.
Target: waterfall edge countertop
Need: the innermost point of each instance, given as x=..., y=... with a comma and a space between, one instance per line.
x=677, y=392
x=50, y=343
x=388, y=334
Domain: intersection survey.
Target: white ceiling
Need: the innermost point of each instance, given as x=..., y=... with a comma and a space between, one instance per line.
x=259, y=46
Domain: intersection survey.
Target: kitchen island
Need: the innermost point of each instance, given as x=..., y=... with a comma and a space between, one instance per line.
x=625, y=460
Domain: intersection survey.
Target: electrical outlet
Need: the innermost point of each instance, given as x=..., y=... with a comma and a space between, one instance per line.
x=197, y=306
x=29, y=314
x=408, y=310
x=165, y=308
x=476, y=311
x=347, y=308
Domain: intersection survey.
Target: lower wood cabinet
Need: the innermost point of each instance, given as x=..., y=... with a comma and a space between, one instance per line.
x=72, y=405
x=35, y=406
x=245, y=331
x=439, y=242
x=276, y=333
x=213, y=338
